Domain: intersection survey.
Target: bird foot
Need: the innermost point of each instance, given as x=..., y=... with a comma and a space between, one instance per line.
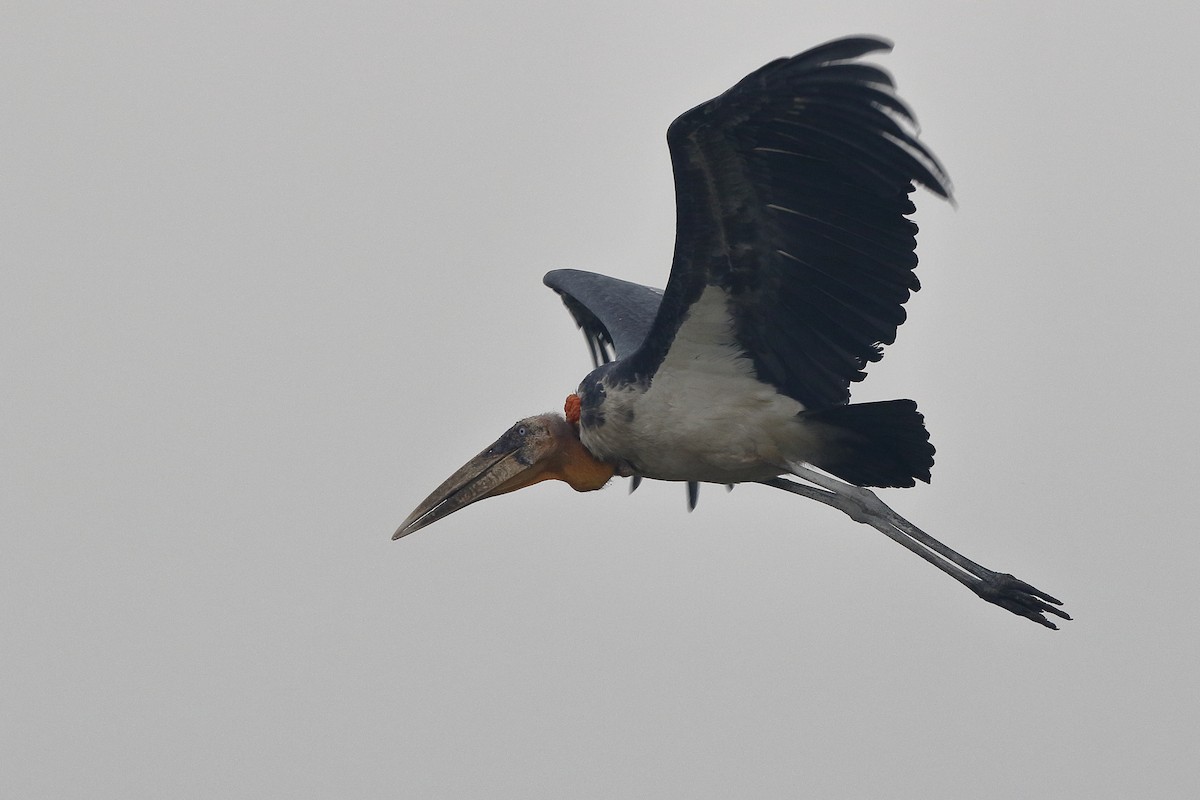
x=1019, y=597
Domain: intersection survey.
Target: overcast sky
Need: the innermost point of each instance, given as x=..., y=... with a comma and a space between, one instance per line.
x=271, y=271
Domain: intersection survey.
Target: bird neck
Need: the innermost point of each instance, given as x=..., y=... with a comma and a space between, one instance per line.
x=576, y=466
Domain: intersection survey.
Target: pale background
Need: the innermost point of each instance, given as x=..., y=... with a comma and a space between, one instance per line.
x=272, y=270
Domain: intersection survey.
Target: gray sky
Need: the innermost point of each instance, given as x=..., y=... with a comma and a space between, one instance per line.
x=271, y=272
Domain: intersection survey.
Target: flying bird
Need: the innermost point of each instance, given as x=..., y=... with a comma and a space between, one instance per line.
x=794, y=257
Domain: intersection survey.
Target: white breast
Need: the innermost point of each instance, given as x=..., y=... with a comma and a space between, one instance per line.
x=706, y=416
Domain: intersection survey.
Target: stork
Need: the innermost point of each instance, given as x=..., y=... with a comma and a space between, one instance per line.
x=794, y=257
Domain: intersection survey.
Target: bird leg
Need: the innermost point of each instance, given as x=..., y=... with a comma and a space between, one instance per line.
x=862, y=505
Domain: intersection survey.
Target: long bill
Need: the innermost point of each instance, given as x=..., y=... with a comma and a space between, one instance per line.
x=486, y=475
x=534, y=449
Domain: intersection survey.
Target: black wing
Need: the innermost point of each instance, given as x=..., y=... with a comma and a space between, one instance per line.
x=792, y=195
x=613, y=314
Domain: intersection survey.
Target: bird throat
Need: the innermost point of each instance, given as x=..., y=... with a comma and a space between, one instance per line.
x=577, y=466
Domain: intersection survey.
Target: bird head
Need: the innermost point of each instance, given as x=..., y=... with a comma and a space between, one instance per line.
x=545, y=447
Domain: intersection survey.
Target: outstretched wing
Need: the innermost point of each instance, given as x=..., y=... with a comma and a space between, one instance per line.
x=792, y=202
x=613, y=314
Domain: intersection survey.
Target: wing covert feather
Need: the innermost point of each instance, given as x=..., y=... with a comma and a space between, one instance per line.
x=613, y=314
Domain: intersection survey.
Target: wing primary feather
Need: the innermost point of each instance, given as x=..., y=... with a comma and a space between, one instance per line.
x=792, y=192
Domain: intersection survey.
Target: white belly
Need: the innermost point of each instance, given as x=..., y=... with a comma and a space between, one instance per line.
x=705, y=416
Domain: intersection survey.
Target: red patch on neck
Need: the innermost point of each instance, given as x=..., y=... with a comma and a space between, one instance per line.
x=571, y=409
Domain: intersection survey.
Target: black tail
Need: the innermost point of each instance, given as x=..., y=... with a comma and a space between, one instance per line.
x=875, y=444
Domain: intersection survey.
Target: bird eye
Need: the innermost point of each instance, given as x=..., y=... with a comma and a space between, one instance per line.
x=521, y=430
